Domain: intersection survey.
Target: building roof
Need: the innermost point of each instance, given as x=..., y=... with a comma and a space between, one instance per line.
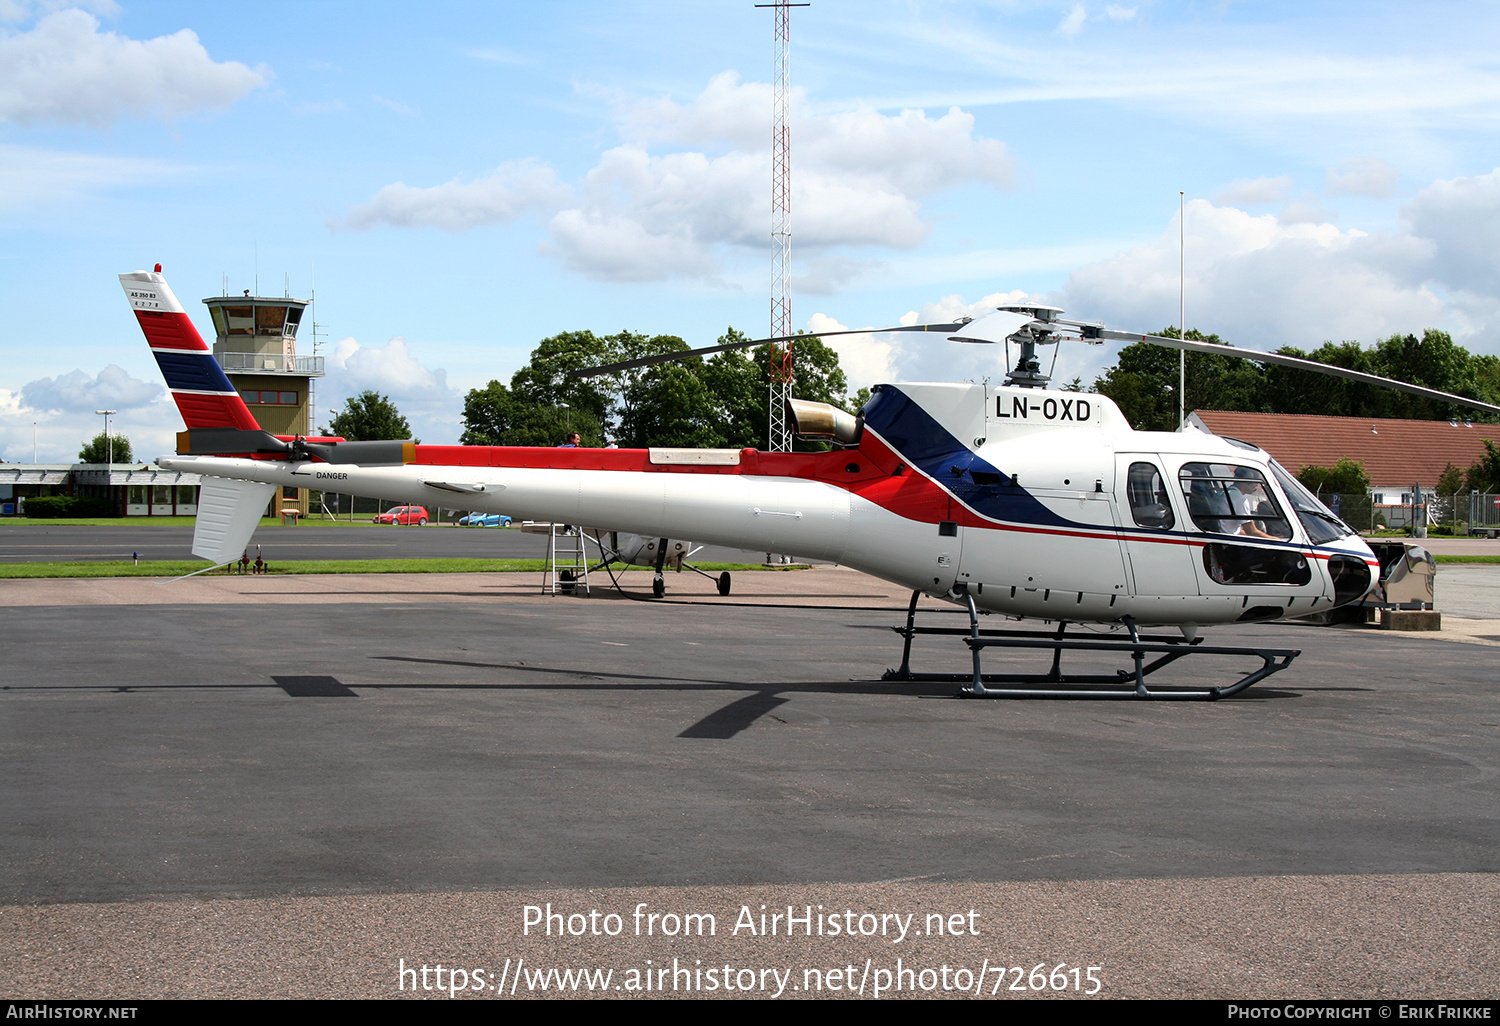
x=94, y=474
x=1394, y=452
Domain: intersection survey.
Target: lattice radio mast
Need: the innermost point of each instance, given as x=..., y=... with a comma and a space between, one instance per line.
x=780, y=439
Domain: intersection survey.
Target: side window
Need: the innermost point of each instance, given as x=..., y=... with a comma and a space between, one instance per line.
x=1229, y=499
x=1149, y=504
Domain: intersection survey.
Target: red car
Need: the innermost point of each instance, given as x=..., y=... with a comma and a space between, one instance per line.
x=404, y=515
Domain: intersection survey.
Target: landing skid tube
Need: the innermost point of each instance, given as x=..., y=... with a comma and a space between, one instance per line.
x=1131, y=683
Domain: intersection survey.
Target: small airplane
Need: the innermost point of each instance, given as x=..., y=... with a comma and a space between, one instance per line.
x=1012, y=499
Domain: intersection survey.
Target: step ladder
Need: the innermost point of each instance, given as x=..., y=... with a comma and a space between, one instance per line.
x=567, y=562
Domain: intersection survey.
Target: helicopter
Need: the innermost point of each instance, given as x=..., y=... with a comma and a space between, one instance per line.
x=1012, y=499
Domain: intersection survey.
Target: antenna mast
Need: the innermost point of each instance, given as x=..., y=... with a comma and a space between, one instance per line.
x=780, y=439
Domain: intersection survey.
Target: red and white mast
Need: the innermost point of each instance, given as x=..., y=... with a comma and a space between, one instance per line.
x=780, y=439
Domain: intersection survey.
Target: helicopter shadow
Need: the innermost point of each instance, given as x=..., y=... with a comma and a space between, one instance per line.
x=735, y=717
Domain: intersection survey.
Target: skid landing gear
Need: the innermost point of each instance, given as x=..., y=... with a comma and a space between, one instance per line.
x=1131, y=683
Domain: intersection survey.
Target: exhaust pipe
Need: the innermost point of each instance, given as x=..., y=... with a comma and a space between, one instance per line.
x=822, y=420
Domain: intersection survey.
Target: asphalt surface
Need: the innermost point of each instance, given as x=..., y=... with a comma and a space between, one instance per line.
x=137, y=537
x=297, y=786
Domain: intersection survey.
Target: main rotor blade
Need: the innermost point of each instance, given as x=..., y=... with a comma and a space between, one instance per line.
x=683, y=354
x=1292, y=361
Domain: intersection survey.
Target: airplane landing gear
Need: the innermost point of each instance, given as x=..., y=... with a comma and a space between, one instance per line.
x=724, y=583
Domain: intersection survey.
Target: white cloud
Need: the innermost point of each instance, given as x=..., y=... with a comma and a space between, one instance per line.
x=1304, y=212
x=921, y=356
x=1073, y=22
x=77, y=392
x=859, y=182
x=54, y=417
x=1114, y=12
x=645, y=215
x=1251, y=191
x=423, y=396
x=513, y=189
x=390, y=369
x=865, y=359
x=24, y=10
x=1461, y=216
x=31, y=177
x=1240, y=82
x=615, y=248
x=1263, y=283
x=65, y=70
x=828, y=275
x=1363, y=176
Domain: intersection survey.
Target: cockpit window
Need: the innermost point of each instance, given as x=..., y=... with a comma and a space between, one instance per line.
x=1317, y=519
x=1149, y=504
x=1226, y=498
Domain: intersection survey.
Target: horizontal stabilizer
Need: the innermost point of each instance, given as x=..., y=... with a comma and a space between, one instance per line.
x=228, y=513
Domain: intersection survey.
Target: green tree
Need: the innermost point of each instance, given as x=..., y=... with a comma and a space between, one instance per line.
x=1451, y=481
x=690, y=403
x=370, y=417
x=1484, y=474
x=1143, y=383
x=98, y=449
x=545, y=381
x=1346, y=477
x=738, y=386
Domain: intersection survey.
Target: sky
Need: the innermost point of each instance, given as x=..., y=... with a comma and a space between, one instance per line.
x=458, y=181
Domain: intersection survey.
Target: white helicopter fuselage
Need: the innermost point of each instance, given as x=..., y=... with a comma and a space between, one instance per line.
x=1030, y=501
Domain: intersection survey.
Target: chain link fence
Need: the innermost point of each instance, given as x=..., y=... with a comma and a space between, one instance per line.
x=1466, y=513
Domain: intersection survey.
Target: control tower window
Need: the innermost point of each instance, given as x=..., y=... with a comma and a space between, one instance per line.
x=241, y=319
x=269, y=320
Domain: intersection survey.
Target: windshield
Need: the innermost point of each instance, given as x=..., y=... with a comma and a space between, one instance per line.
x=1317, y=519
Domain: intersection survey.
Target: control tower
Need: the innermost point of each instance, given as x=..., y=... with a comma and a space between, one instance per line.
x=255, y=341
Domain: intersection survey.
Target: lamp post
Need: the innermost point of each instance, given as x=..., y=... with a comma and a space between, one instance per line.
x=109, y=443
x=109, y=440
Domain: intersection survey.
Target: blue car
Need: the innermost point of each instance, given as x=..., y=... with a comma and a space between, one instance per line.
x=485, y=520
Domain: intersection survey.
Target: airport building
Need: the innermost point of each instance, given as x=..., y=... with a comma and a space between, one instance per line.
x=255, y=342
x=133, y=489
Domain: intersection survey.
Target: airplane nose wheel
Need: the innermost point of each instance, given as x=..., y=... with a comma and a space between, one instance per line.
x=658, y=587
x=724, y=583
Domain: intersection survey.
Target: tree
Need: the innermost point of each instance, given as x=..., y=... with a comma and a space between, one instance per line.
x=1484, y=474
x=1346, y=477
x=370, y=417
x=738, y=386
x=1144, y=382
x=686, y=403
x=1451, y=482
x=496, y=415
x=98, y=450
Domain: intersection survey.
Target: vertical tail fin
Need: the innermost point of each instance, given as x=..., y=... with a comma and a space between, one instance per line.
x=204, y=396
